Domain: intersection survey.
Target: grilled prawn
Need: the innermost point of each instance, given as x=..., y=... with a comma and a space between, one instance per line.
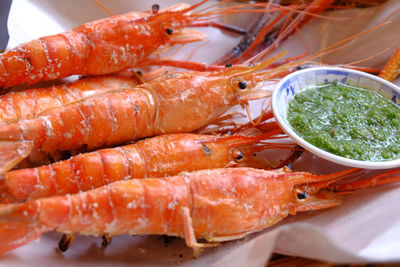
x=32, y=103
x=159, y=156
x=217, y=205
x=103, y=46
x=173, y=103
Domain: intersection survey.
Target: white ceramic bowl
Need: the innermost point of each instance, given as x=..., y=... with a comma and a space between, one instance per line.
x=303, y=79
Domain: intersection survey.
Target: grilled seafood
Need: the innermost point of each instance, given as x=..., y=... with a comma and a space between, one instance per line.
x=217, y=205
x=103, y=46
x=32, y=103
x=159, y=156
x=173, y=103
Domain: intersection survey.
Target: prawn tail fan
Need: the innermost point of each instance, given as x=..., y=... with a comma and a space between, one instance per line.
x=15, y=231
x=13, y=152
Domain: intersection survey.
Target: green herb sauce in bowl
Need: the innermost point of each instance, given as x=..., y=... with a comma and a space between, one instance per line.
x=345, y=116
x=348, y=121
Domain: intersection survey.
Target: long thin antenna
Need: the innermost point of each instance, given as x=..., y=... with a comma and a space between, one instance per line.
x=103, y=7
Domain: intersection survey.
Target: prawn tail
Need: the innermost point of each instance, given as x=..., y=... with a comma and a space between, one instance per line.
x=16, y=234
x=13, y=152
x=16, y=231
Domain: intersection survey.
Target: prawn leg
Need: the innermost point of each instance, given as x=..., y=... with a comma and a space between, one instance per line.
x=106, y=240
x=228, y=237
x=65, y=242
x=189, y=235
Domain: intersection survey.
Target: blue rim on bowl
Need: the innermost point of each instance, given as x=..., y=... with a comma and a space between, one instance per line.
x=303, y=79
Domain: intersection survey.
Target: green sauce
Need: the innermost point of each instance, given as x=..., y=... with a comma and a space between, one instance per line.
x=347, y=121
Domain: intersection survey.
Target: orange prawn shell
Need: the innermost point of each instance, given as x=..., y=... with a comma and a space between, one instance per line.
x=164, y=105
x=189, y=152
x=213, y=96
x=31, y=103
x=222, y=202
x=98, y=47
x=174, y=103
x=218, y=205
x=237, y=201
x=153, y=157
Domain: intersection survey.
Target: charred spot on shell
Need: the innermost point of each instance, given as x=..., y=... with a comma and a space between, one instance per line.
x=206, y=149
x=28, y=60
x=169, y=31
x=301, y=195
x=65, y=242
x=228, y=65
x=155, y=8
x=242, y=85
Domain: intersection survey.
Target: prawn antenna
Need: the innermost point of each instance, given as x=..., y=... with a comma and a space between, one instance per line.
x=103, y=7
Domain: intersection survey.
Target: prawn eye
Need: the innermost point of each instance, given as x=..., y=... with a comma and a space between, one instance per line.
x=155, y=8
x=301, y=195
x=238, y=154
x=169, y=31
x=242, y=85
x=228, y=65
x=290, y=166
